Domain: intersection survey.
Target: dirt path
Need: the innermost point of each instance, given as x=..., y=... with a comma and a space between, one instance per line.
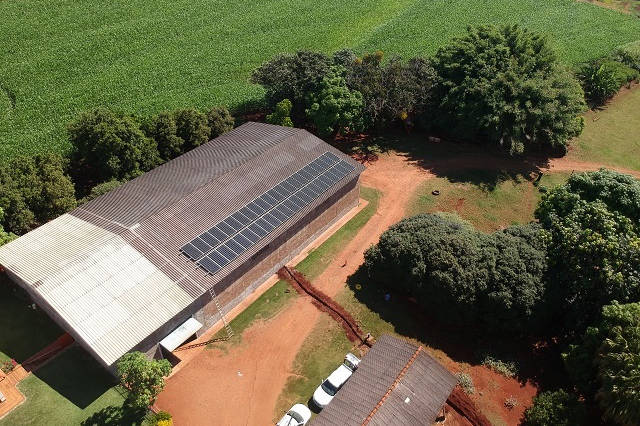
x=241, y=386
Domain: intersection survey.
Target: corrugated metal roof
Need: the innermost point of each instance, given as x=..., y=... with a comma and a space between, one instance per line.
x=112, y=268
x=396, y=383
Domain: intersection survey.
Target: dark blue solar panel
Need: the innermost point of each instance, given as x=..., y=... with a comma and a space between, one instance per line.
x=201, y=245
x=257, y=230
x=228, y=231
x=245, y=243
x=191, y=251
x=209, y=265
x=241, y=218
x=224, y=242
x=210, y=239
x=265, y=225
x=218, y=233
x=234, y=224
x=248, y=213
x=227, y=252
x=262, y=203
x=249, y=235
x=233, y=245
x=218, y=258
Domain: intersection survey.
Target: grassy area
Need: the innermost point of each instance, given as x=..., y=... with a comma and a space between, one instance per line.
x=142, y=57
x=488, y=208
x=319, y=259
x=23, y=331
x=67, y=391
x=273, y=300
x=322, y=352
x=610, y=135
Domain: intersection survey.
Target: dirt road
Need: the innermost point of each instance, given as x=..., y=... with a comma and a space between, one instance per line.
x=241, y=386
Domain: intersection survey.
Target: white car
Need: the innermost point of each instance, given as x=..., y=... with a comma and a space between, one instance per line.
x=332, y=384
x=298, y=415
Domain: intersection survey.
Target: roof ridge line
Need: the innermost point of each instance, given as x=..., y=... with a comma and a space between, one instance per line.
x=393, y=385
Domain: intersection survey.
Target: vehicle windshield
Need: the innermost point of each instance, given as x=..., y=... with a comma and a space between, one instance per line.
x=329, y=388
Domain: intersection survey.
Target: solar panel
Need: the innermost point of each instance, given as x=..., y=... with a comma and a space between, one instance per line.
x=238, y=232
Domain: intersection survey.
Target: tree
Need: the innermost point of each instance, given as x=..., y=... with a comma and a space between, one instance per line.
x=293, y=77
x=281, y=114
x=34, y=190
x=110, y=146
x=163, y=129
x=605, y=363
x=504, y=85
x=192, y=127
x=393, y=91
x=602, y=78
x=220, y=121
x=143, y=378
x=460, y=275
x=593, y=246
x=334, y=106
x=5, y=237
x=557, y=408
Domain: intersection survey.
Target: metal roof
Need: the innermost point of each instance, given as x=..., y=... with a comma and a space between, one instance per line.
x=396, y=383
x=112, y=268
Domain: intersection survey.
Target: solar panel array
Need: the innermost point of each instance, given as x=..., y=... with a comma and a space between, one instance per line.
x=223, y=243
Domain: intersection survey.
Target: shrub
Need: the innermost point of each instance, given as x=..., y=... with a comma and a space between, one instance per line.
x=8, y=366
x=629, y=55
x=506, y=368
x=5, y=237
x=100, y=189
x=192, y=127
x=557, y=408
x=462, y=276
x=220, y=121
x=163, y=130
x=161, y=418
x=601, y=79
x=466, y=383
x=293, y=77
x=334, y=107
x=110, y=146
x=505, y=85
x=281, y=114
x=34, y=190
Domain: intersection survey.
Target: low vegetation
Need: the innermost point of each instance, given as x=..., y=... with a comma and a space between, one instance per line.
x=466, y=382
x=555, y=408
x=506, y=368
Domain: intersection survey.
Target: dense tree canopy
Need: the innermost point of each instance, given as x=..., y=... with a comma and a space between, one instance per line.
x=293, y=77
x=220, y=121
x=391, y=91
x=163, y=129
x=557, y=408
x=281, y=115
x=505, y=85
x=5, y=236
x=34, y=190
x=591, y=225
x=192, y=127
x=461, y=275
x=100, y=189
x=143, y=378
x=606, y=362
x=334, y=107
x=111, y=145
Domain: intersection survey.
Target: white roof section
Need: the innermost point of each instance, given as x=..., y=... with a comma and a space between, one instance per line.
x=108, y=293
x=180, y=334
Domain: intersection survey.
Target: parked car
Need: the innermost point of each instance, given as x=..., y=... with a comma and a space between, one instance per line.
x=298, y=415
x=332, y=384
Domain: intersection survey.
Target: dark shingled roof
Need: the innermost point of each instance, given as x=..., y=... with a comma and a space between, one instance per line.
x=396, y=383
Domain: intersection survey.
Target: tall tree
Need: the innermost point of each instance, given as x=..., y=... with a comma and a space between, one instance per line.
x=506, y=86
x=143, y=378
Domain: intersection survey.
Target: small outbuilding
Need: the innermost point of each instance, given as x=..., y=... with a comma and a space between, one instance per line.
x=165, y=255
x=396, y=383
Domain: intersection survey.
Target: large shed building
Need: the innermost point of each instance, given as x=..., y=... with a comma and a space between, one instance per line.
x=124, y=271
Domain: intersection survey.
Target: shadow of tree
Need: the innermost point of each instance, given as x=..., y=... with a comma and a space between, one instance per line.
x=114, y=416
x=538, y=361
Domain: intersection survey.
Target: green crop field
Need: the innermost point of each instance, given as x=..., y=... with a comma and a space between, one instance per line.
x=60, y=57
